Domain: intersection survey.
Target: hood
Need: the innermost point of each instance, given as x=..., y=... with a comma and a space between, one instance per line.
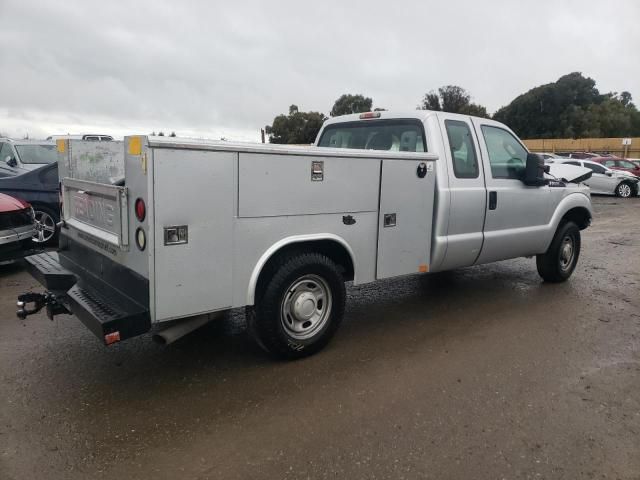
x=10, y=204
x=569, y=173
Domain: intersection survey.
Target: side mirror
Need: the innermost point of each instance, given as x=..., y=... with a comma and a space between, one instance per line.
x=534, y=171
x=609, y=174
x=11, y=161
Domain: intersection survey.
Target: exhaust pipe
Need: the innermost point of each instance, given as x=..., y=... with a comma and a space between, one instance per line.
x=183, y=327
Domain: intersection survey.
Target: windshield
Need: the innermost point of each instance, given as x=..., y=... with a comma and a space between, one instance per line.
x=38, y=154
x=392, y=135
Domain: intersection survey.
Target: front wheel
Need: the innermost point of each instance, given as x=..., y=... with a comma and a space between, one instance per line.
x=559, y=261
x=624, y=190
x=300, y=307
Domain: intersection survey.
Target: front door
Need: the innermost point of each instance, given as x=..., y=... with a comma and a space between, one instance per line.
x=517, y=215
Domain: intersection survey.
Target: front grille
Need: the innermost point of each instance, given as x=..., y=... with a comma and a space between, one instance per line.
x=20, y=218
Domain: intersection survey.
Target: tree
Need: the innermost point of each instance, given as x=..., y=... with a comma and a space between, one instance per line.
x=571, y=107
x=297, y=127
x=348, y=104
x=453, y=99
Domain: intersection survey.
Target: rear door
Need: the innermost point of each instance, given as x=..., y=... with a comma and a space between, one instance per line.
x=517, y=215
x=599, y=182
x=467, y=191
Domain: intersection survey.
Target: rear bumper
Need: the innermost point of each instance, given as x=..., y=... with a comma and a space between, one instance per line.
x=108, y=313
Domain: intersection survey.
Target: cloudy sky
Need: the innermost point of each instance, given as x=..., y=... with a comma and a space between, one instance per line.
x=226, y=68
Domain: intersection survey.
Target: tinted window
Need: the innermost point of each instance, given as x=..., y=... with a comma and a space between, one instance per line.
x=577, y=164
x=596, y=168
x=392, y=135
x=463, y=153
x=506, y=155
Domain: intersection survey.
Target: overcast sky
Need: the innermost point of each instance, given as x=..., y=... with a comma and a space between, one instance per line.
x=226, y=68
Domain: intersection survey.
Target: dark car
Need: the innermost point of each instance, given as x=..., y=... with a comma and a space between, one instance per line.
x=40, y=188
x=16, y=228
x=616, y=163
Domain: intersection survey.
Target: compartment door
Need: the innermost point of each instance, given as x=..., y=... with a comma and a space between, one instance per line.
x=405, y=217
x=193, y=189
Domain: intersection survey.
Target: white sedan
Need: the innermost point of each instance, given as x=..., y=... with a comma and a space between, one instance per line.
x=605, y=180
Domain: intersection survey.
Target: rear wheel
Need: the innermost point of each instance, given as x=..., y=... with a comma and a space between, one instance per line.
x=299, y=307
x=624, y=190
x=559, y=261
x=46, y=226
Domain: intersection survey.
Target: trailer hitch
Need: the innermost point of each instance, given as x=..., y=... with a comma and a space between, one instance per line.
x=39, y=301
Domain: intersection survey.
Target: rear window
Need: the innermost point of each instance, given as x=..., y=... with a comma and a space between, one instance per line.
x=37, y=153
x=390, y=135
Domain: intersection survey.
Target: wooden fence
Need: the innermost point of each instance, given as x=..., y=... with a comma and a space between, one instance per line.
x=598, y=145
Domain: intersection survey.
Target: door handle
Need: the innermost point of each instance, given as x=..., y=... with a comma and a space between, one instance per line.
x=493, y=200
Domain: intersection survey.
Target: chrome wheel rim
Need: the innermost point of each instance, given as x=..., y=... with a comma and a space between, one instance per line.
x=624, y=190
x=45, y=227
x=306, y=307
x=567, y=252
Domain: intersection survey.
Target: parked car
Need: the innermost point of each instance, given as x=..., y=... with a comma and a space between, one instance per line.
x=582, y=155
x=16, y=228
x=615, y=163
x=40, y=188
x=550, y=157
x=607, y=181
x=19, y=156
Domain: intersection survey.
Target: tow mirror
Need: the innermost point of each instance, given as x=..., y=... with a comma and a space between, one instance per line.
x=534, y=171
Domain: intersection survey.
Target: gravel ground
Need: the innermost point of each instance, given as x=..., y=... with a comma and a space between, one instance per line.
x=484, y=372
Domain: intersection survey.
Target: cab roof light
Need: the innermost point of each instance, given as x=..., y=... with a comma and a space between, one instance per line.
x=369, y=115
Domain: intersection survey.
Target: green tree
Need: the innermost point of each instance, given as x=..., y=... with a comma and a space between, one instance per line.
x=296, y=128
x=348, y=104
x=453, y=99
x=571, y=107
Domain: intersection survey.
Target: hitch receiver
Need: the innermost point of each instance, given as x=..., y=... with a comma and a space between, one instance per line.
x=39, y=301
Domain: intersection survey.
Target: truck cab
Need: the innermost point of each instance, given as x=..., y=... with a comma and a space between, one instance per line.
x=485, y=210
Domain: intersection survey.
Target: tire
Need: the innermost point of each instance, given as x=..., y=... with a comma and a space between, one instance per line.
x=558, y=262
x=624, y=190
x=301, y=306
x=46, y=226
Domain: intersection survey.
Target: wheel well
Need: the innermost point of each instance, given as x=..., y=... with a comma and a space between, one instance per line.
x=332, y=249
x=580, y=216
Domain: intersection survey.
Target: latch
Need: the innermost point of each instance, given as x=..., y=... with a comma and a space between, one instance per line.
x=176, y=235
x=317, y=171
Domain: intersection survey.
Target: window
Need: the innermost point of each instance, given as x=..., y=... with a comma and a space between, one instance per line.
x=5, y=151
x=577, y=164
x=596, y=168
x=463, y=153
x=610, y=163
x=625, y=164
x=507, y=156
x=37, y=153
x=393, y=135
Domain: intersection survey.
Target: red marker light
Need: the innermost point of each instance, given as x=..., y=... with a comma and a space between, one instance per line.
x=110, y=338
x=141, y=210
x=370, y=115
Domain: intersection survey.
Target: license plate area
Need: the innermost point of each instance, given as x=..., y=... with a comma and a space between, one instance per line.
x=96, y=209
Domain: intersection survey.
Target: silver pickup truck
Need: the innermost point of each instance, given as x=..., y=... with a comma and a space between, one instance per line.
x=162, y=233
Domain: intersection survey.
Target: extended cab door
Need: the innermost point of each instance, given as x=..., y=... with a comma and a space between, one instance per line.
x=467, y=192
x=517, y=215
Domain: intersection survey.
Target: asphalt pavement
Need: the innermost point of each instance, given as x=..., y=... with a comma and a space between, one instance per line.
x=480, y=373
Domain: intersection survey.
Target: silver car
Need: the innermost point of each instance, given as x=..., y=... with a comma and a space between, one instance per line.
x=606, y=181
x=19, y=156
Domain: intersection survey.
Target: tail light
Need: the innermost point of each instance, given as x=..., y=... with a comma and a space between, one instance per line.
x=141, y=210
